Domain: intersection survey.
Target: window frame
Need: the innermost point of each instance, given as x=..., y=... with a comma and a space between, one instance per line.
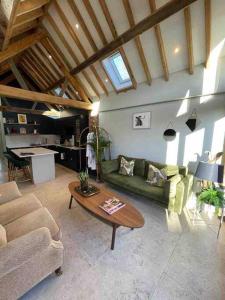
x=125, y=61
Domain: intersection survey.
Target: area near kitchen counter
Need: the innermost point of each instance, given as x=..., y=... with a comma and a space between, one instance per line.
x=42, y=162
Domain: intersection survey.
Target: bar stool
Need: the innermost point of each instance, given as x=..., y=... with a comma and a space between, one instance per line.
x=17, y=165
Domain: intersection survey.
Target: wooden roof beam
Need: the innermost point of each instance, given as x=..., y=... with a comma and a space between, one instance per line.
x=24, y=64
x=160, y=43
x=28, y=6
x=70, y=50
x=18, y=75
x=158, y=16
x=21, y=110
x=208, y=13
x=112, y=28
x=21, y=45
x=16, y=93
x=25, y=18
x=57, y=60
x=187, y=19
x=11, y=19
x=78, y=43
x=137, y=40
x=8, y=79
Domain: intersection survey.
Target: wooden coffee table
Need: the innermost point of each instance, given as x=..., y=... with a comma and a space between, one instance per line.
x=128, y=216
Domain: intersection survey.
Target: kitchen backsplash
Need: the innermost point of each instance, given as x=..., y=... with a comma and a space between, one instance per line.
x=27, y=140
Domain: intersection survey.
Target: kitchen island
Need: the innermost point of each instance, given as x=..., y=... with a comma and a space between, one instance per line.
x=42, y=162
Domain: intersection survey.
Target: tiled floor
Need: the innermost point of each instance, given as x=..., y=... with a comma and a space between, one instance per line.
x=171, y=257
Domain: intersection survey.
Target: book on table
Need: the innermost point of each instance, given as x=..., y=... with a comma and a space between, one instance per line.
x=111, y=205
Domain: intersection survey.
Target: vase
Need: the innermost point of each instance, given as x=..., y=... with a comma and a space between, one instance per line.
x=84, y=185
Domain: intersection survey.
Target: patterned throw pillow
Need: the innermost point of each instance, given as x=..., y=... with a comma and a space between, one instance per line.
x=155, y=176
x=126, y=167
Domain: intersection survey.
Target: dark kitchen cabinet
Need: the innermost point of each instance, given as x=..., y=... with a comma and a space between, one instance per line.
x=70, y=158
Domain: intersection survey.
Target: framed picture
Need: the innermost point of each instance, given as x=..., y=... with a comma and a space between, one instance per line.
x=22, y=119
x=142, y=120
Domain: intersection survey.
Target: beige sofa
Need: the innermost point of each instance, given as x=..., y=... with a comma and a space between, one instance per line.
x=30, y=248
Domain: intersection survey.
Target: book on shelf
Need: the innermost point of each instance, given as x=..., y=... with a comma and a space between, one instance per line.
x=112, y=205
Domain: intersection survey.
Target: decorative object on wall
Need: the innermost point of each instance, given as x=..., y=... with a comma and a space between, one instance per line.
x=192, y=120
x=142, y=120
x=22, y=119
x=23, y=130
x=169, y=134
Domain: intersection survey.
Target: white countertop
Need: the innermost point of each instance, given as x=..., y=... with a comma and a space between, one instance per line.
x=36, y=152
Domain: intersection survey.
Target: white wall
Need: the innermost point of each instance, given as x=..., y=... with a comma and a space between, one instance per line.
x=27, y=140
x=149, y=143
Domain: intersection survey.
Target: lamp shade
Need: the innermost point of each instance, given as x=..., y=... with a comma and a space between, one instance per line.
x=210, y=172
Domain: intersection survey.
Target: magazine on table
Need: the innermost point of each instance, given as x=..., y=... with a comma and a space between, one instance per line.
x=111, y=205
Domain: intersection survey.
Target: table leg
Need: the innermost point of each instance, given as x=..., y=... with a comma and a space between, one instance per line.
x=113, y=236
x=71, y=199
x=221, y=221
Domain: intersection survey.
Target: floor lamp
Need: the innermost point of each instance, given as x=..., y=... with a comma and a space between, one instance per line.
x=213, y=173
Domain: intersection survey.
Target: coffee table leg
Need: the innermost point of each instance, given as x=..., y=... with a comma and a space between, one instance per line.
x=71, y=199
x=113, y=237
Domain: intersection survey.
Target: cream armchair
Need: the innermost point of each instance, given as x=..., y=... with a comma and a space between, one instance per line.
x=30, y=248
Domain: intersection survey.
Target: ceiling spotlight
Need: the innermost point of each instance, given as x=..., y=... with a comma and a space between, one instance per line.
x=106, y=80
x=176, y=50
x=77, y=26
x=49, y=56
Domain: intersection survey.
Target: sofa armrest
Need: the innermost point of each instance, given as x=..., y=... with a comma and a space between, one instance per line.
x=171, y=185
x=109, y=166
x=9, y=191
x=22, y=249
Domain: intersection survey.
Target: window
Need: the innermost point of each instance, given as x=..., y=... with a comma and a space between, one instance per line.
x=117, y=71
x=58, y=90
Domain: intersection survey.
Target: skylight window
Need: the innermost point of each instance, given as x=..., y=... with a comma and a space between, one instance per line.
x=58, y=90
x=117, y=71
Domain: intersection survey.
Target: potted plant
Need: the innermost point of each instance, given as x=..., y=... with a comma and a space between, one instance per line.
x=212, y=196
x=83, y=177
x=98, y=144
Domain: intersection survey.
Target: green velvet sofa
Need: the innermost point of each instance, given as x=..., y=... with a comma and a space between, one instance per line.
x=174, y=194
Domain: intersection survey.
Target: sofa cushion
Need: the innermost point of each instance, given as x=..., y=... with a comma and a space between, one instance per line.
x=126, y=167
x=17, y=208
x=136, y=184
x=9, y=191
x=139, y=165
x=155, y=176
x=3, y=238
x=34, y=220
x=171, y=170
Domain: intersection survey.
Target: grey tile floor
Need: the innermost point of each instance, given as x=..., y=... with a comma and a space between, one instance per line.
x=171, y=257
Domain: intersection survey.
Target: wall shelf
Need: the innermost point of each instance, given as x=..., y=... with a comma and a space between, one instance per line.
x=16, y=134
x=22, y=124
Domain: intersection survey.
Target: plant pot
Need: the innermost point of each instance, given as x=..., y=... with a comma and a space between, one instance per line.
x=84, y=186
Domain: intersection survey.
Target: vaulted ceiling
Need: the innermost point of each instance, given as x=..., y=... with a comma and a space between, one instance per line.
x=74, y=30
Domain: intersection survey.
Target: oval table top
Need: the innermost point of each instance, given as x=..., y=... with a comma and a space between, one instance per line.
x=127, y=216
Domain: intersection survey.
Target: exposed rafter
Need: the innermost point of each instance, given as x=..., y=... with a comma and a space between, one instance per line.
x=115, y=35
x=58, y=61
x=158, y=16
x=21, y=45
x=187, y=18
x=207, y=30
x=70, y=50
x=160, y=43
x=12, y=92
x=21, y=110
x=8, y=79
x=10, y=21
x=87, y=33
x=79, y=44
x=18, y=75
x=137, y=40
